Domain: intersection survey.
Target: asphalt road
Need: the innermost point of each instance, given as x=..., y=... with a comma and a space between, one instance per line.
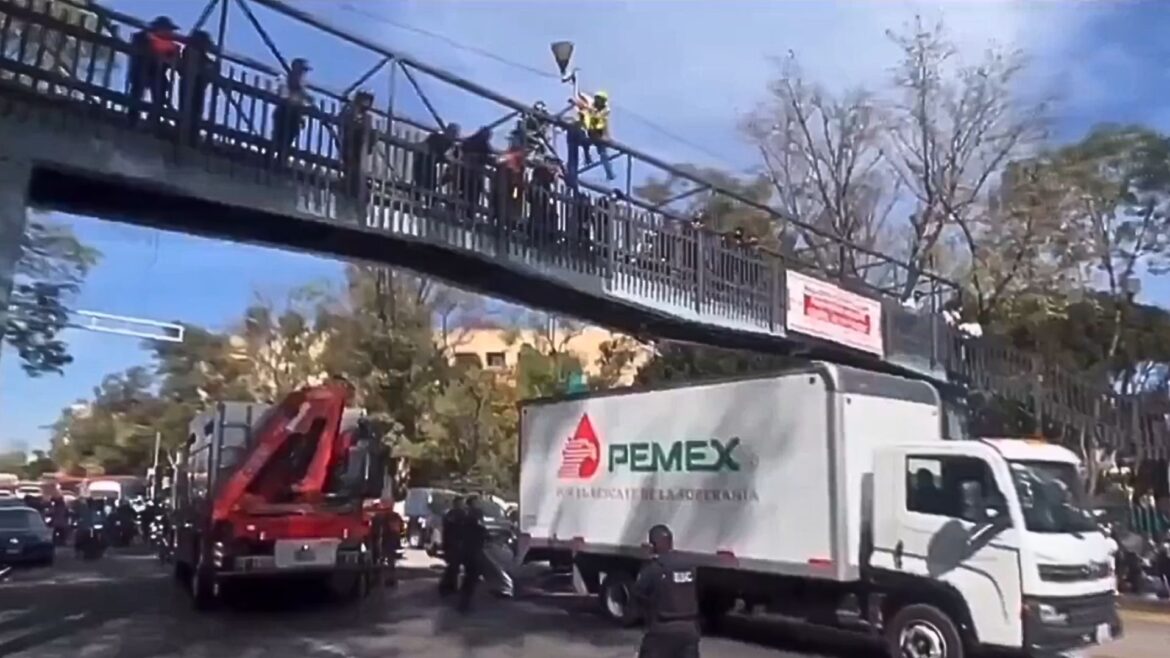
x=127, y=606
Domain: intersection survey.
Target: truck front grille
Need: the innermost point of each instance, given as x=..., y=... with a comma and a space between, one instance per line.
x=1075, y=573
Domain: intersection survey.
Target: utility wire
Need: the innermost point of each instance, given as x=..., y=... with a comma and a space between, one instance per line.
x=475, y=50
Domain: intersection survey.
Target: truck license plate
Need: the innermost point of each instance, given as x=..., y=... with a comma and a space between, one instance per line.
x=13, y=551
x=1104, y=634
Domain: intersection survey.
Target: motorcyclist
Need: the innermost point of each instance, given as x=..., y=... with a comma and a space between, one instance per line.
x=122, y=521
x=90, y=523
x=58, y=519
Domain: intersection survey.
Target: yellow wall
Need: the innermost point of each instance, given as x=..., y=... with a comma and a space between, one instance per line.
x=585, y=344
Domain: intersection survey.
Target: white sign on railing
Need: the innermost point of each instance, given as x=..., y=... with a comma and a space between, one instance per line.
x=823, y=310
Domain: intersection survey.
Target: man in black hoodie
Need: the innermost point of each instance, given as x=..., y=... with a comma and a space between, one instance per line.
x=452, y=528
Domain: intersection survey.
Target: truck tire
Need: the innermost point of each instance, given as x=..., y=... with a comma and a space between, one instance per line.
x=923, y=631
x=615, y=599
x=713, y=608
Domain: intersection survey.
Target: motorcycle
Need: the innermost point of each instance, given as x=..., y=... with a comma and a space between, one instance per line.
x=121, y=532
x=160, y=539
x=90, y=543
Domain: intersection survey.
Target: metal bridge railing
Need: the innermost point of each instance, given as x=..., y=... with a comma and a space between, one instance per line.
x=76, y=68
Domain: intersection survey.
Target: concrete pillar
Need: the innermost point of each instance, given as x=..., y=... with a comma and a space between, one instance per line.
x=14, y=180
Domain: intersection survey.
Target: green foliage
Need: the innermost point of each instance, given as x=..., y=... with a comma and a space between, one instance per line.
x=716, y=211
x=52, y=265
x=114, y=433
x=27, y=465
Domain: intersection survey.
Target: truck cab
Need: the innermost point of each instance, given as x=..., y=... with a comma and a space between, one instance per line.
x=999, y=536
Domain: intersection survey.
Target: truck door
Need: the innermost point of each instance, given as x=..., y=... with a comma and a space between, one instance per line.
x=942, y=522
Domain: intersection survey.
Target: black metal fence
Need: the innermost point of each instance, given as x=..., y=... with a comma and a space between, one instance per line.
x=384, y=176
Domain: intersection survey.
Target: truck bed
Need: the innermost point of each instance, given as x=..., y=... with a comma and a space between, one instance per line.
x=754, y=473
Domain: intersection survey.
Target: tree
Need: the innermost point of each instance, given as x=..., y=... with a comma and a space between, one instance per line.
x=1016, y=260
x=953, y=128
x=824, y=157
x=383, y=342
x=472, y=435
x=717, y=212
x=203, y=369
x=51, y=268
x=38, y=464
x=114, y=434
x=618, y=355
x=1117, y=185
x=284, y=343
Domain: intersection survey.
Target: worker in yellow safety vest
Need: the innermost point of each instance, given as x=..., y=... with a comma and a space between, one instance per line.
x=591, y=129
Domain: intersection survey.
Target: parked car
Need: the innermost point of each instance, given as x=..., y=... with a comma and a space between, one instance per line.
x=498, y=521
x=422, y=512
x=24, y=537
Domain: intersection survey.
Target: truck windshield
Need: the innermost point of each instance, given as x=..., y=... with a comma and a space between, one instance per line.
x=1051, y=496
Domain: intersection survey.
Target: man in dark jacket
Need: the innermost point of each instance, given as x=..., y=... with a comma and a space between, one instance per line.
x=668, y=593
x=426, y=162
x=472, y=539
x=452, y=530
x=356, y=137
x=197, y=71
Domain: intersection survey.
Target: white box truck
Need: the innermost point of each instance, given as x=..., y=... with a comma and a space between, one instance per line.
x=826, y=494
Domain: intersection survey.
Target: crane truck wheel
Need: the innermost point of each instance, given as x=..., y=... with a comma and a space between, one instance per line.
x=617, y=604
x=923, y=631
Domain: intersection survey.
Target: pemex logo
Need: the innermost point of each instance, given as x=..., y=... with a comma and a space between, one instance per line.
x=581, y=456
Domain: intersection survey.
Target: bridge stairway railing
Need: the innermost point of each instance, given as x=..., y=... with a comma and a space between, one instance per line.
x=76, y=68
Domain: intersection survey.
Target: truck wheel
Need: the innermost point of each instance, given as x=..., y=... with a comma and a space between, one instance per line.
x=616, y=602
x=923, y=631
x=713, y=607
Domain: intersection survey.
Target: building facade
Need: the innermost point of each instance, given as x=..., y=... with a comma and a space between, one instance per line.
x=499, y=348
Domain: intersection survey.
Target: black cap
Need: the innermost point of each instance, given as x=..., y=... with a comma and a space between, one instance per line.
x=163, y=23
x=300, y=63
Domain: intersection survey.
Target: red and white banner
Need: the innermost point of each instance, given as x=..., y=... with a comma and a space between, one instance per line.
x=823, y=310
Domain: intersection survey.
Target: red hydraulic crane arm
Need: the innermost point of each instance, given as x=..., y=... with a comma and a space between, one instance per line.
x=333, y=443
x=293, y=416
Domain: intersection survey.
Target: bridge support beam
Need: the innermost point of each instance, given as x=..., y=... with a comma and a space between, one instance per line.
x=14, y=181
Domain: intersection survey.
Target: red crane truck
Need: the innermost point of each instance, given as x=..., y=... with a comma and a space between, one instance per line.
x=283, y=492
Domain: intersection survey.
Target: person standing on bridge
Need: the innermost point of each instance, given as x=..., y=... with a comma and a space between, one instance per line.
x=154, y=53
x=197, y=71
x=356, y=142
x=426, y=162
x=470, y=174
x=288, y=117
x=591, y=128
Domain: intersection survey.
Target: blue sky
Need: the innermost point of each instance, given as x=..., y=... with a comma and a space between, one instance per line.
x=1106, y=60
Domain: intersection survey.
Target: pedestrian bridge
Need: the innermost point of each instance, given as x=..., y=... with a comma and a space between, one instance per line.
x=71, y=139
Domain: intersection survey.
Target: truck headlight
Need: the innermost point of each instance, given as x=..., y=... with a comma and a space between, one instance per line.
x=1048, y=614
